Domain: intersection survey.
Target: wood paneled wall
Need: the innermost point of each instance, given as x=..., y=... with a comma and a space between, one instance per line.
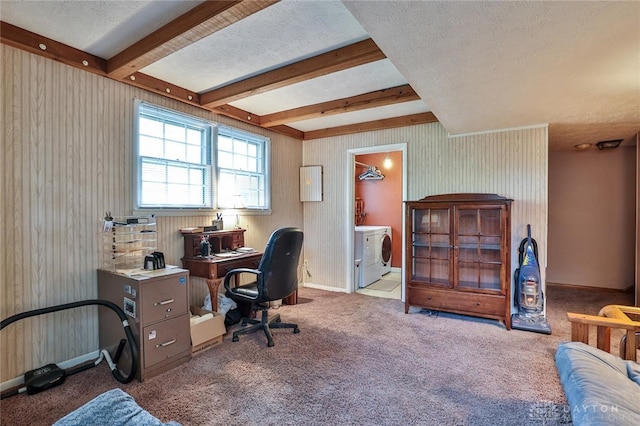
x=66, y=159
x=512, y=163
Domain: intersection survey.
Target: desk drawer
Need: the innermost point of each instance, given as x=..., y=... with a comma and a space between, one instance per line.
x=249, y=262
x=165, y=340
x=238, y=241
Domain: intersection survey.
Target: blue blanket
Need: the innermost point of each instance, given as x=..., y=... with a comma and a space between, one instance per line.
x=112, y=408
x=601, y=388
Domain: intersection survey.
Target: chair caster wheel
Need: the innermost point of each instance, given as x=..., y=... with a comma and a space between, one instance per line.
x=296, y=330
x=243, y=323
x=235, y=339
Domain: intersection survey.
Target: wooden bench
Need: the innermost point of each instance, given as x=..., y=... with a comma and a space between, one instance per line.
x=611, y=316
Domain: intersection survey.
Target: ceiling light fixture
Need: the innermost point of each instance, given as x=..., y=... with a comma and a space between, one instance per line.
x=582, y=146
x=609, y=144
x=387, y=162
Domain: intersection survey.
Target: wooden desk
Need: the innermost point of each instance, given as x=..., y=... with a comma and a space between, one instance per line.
x=213, y=267
x=216, y=266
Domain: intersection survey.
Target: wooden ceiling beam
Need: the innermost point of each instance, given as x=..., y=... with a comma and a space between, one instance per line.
x=289, y=131
x=375, y=99
x=362, y=52
x=43, y=46
x=256, y=120
x=369, y=126
x=199, y=22
x=164, y=88
x=48, y=48
x=238, y=114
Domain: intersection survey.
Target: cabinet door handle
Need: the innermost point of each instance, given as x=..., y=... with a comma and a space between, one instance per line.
x=162, y=345
x=164, y=302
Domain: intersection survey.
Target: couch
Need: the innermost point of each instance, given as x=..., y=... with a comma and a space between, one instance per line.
x=111, y=408
x=601, y=388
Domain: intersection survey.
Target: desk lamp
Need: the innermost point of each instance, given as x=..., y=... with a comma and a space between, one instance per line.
x=238, y=204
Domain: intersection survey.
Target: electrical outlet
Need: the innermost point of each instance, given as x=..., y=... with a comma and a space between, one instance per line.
x=305, y=263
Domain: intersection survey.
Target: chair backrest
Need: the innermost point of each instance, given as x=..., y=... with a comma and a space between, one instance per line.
x=279, y=264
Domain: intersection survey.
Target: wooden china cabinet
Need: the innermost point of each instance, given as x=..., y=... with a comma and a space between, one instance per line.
x=458, y=255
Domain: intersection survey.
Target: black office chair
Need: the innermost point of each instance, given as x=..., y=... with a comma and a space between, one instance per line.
x=276, y=278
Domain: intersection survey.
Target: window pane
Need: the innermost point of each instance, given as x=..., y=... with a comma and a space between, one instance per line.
x=195, y=192
x=224, y=143
x=174, y=132
x=153, y=193
x=153, y=172
x=225, y=159
x=194, y=154
x=240, y=147
x=195, y=137
x=151, y=127
x=239, y=162
x=178, y=175
x=175, y=151
x=150, y=147
x=252, y=164
x=196, y=176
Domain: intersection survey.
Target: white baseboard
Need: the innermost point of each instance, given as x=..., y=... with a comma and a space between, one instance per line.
x=64, y=365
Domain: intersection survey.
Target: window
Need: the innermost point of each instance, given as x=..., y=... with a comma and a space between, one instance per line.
x=175, y=165
x=241, y=169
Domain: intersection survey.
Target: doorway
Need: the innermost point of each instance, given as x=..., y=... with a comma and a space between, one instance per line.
x=379, y=204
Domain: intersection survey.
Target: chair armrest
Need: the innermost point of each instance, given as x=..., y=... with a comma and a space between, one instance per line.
x=614, y=316
x=234, y=272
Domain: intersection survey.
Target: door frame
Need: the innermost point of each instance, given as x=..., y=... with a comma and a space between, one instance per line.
x=348, y=223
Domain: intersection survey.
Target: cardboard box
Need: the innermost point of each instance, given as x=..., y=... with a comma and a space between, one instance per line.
x=208, y=333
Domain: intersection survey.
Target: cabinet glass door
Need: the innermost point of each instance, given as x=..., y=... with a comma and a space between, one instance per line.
x=479, y=241
x=431, y=245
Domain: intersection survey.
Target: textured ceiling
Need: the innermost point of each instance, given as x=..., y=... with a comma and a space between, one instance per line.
x=478, y=66
x=496, y=65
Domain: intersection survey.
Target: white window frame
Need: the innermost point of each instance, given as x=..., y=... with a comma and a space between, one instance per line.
x=261, y=192
x=212, y=197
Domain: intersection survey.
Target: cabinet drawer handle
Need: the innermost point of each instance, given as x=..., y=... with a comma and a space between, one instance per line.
x=164, y=302
x=162, y=345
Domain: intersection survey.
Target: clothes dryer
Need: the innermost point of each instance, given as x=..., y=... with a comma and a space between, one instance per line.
x=373, y=248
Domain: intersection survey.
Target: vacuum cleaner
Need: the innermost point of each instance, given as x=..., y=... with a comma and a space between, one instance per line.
x=50, y=375
x=529, y=295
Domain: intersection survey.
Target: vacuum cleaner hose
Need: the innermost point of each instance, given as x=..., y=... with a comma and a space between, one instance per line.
x=127, y=330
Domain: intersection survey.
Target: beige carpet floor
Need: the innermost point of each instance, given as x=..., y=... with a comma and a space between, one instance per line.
x=358, y=360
